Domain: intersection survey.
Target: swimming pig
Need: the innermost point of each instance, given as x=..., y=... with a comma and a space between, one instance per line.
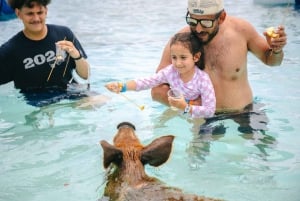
x=127, y=179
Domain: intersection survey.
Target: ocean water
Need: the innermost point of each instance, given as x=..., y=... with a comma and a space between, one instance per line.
x=53, y=152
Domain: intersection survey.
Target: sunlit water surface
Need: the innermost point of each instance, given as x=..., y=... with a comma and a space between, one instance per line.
x=52, y=153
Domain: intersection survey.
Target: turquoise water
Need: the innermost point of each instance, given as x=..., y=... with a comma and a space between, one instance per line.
x=52, y=153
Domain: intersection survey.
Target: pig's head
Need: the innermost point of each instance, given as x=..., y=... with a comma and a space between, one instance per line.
x=129, y=156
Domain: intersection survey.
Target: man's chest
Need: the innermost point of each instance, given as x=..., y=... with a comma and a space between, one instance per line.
x=226, y=59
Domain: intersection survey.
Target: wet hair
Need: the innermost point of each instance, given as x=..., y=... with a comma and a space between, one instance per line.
x=191, y=42
x=27, y=3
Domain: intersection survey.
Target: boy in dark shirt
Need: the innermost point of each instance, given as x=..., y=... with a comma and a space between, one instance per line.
x=30, y=59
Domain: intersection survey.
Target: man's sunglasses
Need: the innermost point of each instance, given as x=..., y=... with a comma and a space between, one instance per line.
x=205, y=23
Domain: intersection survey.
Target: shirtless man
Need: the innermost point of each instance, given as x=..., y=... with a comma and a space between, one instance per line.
x=227, y=40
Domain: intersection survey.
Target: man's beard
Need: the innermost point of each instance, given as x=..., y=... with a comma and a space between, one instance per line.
x=210, y=35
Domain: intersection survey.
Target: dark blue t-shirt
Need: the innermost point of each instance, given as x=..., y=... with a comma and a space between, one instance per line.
x=28, y=63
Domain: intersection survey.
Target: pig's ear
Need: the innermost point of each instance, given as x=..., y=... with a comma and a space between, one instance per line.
x=158, y=151
x=111, y=154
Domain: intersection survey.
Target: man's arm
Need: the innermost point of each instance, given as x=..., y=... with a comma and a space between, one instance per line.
x=159, y=93
x=269, y=50
x=275, y=53
x=165, y=58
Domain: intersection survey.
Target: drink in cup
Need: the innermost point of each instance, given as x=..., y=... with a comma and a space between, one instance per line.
x=176, y=94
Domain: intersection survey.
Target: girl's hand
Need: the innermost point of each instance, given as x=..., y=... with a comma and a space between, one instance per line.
x=179, y=103
x=113, y=87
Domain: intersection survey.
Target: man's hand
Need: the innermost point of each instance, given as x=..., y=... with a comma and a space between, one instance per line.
x=276, y=38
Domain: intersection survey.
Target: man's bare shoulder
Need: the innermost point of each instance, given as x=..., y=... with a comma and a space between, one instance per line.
x=240, y=25
x=185, y=29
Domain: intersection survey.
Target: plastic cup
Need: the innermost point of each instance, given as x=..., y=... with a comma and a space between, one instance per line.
x=60, y=54
x=272, y=33
x=176, y=94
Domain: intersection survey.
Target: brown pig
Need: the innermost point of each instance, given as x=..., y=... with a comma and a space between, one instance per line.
x=127, y=179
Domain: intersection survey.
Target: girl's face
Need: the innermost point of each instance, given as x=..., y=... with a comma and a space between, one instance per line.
x=182, y=59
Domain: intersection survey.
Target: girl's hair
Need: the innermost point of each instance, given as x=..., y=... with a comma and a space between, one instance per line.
x=27, y=3
x=191, y=42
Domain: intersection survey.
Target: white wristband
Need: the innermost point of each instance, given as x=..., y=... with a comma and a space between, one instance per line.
x=187, y=109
